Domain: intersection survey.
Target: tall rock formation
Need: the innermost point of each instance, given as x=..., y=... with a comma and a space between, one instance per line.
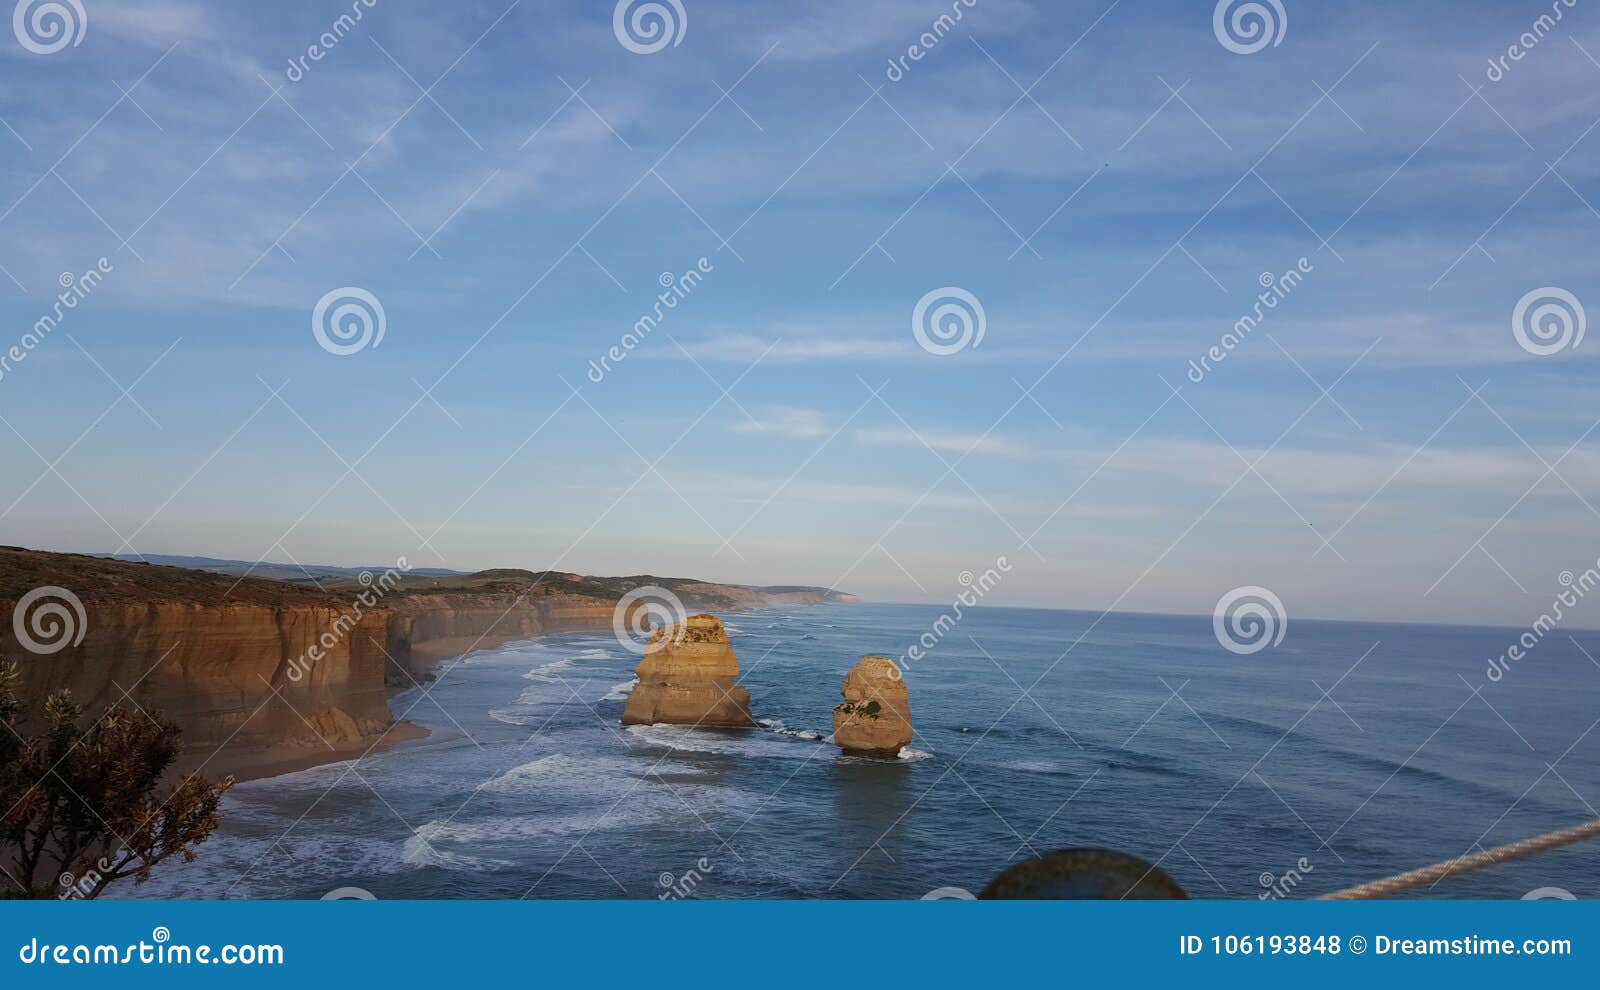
x=687, y=678
x=875, y=717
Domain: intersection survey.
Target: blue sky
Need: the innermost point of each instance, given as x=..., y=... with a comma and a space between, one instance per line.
x=1108, y=179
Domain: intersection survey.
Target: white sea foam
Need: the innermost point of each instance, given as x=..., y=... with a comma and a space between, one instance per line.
x=559, y=797
x=906, y=755
x=542, y=698
x=621, y=691
x=530, y=775
x=510, y=716
x=548, y=672
x=777, y=725
x=574, y=782
x=422, y=849
x=429, y=846
x=260, y=866
x=688, y=739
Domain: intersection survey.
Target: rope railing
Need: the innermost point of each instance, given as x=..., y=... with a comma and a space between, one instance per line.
x=1466, y=864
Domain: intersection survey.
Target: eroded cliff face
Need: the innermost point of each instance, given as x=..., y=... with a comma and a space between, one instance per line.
x=875, y=717
x=246, y=674
x=296, y=675
x=425, y=629
x=687, y=678
x=244, y=665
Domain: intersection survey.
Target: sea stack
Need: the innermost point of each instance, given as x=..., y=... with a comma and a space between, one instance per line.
x=687, y=678
x=875, y=717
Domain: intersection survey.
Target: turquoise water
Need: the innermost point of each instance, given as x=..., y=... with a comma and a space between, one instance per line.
x=1235, y=773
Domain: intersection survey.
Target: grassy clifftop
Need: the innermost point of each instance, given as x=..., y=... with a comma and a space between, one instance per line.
x=108, y=580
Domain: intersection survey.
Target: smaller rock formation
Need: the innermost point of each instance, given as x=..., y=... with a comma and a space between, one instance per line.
x=687, y=678
x=875, y=717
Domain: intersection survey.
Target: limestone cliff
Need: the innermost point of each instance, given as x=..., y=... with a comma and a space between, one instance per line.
x=875, y=717
x=243, y=661
x=244, y=664
x=224, y=672
x=425, y=629
x=687, y=677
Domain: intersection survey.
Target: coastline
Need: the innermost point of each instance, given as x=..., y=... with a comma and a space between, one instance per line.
x=529, y=803
x=261, y=763
x=266, y=762
x=265, y=677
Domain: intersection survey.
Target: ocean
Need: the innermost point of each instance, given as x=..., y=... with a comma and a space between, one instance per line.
x=1348, y=752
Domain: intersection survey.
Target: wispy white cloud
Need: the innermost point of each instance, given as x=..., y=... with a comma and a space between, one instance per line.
x=155, y=22
x=970, y=444
x=787, y=421
x=745, y=348
x=1499, y=471
x=764, y=491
